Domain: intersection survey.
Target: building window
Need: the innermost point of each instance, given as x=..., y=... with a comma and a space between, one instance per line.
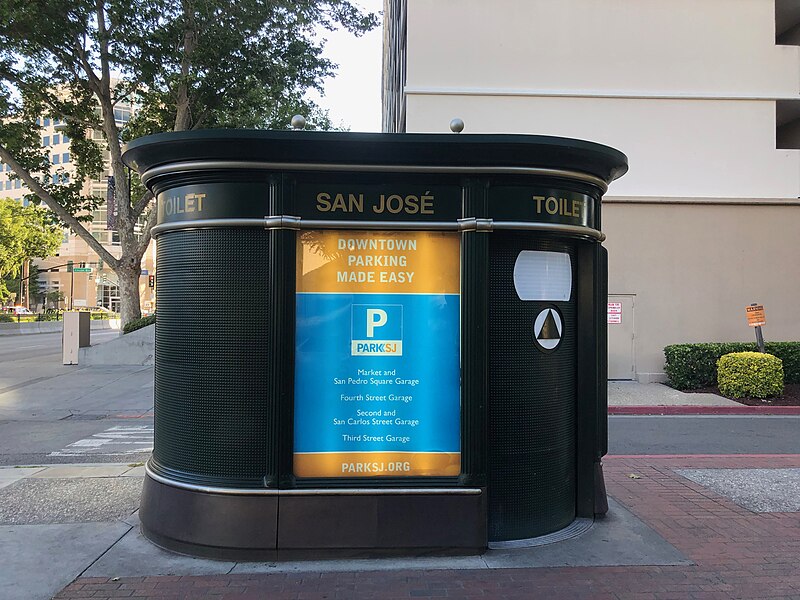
x=55, y=178
x=65, y=139
x=46, y=140
x=122, y=114
x=47, y=121
x=65, y=157
x=56, y=139
x=8, y=184
x=17, y=184
x=56, y=159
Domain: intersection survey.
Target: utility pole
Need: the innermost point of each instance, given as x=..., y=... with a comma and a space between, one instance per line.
x=70, y=265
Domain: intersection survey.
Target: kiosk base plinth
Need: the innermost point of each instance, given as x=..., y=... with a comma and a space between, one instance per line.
x=312, y=523
x=600, y=496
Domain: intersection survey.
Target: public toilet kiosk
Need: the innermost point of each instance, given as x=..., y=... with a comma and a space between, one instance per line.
x=375, y=343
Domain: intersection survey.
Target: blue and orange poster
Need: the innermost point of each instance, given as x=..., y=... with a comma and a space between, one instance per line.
x=377, y=363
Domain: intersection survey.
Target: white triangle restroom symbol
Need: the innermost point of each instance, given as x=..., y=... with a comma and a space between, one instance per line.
x=548, y=329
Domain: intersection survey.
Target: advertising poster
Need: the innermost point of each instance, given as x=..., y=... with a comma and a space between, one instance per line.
x=377, y=365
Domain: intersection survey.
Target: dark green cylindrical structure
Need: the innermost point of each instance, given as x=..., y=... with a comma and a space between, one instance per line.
x=284, y=261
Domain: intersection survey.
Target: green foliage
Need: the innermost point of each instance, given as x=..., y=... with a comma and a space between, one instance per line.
x=693, y=366
x=750, y=374
x=242, y=64
x=103, y=316
x=6, y=318
x=49, y=315
x=185, y=64
x=138, y=323
x=54, y=298
x=25, y=232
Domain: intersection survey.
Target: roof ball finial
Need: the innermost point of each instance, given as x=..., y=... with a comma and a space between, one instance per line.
x=298, y=122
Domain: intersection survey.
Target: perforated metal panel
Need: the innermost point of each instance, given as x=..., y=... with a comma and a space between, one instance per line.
x=532, y=396
x=211, y=374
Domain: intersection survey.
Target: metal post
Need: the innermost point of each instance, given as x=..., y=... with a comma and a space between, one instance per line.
x=23, y=284
x=759, y=339
x=71, y=285
x=759, y=336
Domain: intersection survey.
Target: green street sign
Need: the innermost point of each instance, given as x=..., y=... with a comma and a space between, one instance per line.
x=82, y=269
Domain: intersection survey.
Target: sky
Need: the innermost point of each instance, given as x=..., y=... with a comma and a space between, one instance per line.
x=353, y=97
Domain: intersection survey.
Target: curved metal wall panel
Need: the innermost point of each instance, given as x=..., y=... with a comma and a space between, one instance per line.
x=212, y=407
x=532, y=402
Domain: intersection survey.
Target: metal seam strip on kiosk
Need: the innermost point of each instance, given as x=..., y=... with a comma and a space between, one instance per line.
x=176, y=168
x=286, y=222
x=307, y=492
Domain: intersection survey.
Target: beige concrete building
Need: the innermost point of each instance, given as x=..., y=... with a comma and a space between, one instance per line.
x=703, y=97
x=81, y=289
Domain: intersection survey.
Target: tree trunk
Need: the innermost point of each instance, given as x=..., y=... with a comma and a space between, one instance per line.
x=128, y=275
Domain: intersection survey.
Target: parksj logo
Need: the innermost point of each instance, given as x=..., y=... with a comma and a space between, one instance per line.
x=377, y=330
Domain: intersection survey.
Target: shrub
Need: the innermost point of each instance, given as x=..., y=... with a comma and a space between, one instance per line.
x=138, y=323
x=103, y=316
x=753, y=374
x=692, y=366
x=6, y=318
x=49, y=315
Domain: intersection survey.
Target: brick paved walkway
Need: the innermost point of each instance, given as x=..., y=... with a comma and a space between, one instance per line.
x=737, y=554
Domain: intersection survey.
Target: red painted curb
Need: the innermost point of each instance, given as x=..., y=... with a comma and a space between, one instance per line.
x=704, y=410
x=697, y=456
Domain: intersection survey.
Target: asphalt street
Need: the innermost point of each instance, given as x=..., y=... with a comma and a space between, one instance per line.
x=40, y=345
x=51, y=413
x=55, y=413
x=706, y=434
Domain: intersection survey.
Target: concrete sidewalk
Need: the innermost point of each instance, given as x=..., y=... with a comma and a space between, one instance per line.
x=632, y=398
x=631, y=393
x=679, y=527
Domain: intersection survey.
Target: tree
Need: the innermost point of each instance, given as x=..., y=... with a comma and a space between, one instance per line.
x=31, y=287
x=187, y=64
x=25, y=232
x=54, y=298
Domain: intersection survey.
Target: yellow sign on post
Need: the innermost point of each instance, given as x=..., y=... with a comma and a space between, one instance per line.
x=755, y=315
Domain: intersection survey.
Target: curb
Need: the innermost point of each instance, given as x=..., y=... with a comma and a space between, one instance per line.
x=704, y=410
x=35, y=327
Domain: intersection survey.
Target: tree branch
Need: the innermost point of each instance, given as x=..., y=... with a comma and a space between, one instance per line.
x=198, y=124
x=141, y=204
x=59, y=210
x=91, y=77
x=141, y=248
x=59, y=112
x=102, y=38
x=132, y=88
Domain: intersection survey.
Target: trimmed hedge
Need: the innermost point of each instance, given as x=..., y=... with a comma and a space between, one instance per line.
x=103, y=316
x=692, y=366
x=138, y=323
x=750, y=374
x=54, y=315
